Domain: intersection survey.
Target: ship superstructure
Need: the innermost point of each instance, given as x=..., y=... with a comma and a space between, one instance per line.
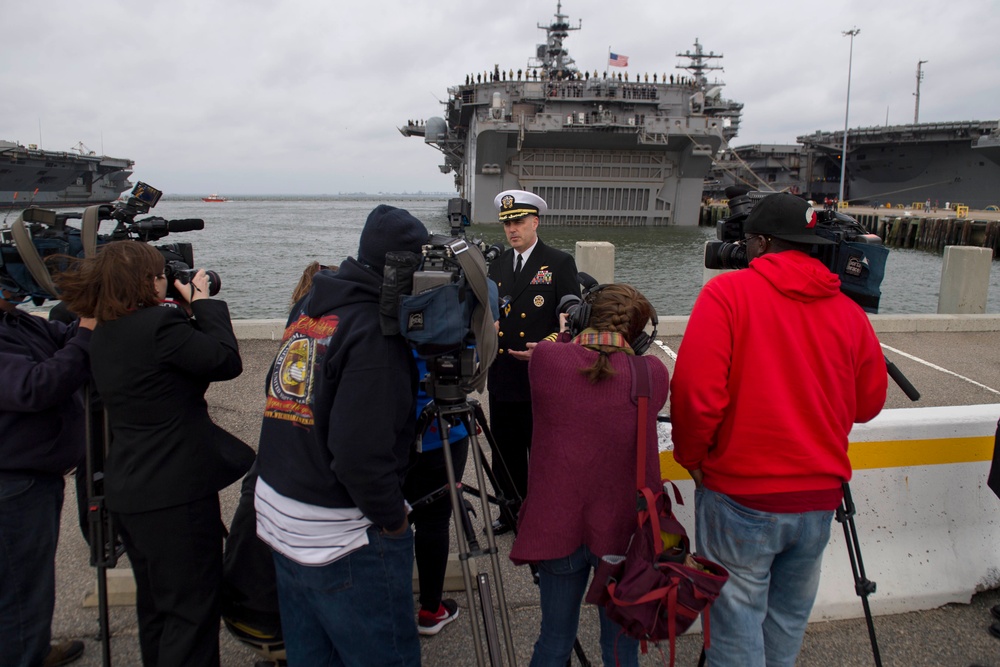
x=600, y=148
x=946, y=162
x=953, y=162
x=78, y=177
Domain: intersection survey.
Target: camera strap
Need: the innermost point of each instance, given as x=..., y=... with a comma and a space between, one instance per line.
x=473, y=264
x=32, y=260
x=88, y=230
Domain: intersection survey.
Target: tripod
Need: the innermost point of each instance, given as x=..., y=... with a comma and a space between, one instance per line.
x=449, y=404
x=103, y=552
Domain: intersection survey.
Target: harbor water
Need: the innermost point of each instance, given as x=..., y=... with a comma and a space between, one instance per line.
x=259, y=247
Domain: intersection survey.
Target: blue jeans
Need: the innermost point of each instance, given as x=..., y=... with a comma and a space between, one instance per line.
x=29, y=532
x=774, y=565
x=356, y=611
x=563, y=583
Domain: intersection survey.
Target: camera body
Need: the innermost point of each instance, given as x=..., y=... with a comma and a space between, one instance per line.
x=439, y=301
x=857, y=256
x=39, y=234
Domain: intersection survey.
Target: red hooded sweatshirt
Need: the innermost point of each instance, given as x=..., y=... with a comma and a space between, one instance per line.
x=775, y=367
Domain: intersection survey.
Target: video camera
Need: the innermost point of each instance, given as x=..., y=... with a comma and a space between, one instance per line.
x=39, y=234
x=439, y=301
x=858, y=257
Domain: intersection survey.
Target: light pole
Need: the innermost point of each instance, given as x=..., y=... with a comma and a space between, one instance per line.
x=920, y=76
x=843, y=151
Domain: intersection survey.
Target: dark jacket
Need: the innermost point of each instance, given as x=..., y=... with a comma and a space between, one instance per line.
x=340, y=413
x=43, y=365
x=547, y=277
x=152, y=369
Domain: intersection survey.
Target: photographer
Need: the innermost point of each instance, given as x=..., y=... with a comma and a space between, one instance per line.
x=582, y=479
x=167, y=460
x=44, y=366
x=775, y=367
x=337, y=432
x=533, y=278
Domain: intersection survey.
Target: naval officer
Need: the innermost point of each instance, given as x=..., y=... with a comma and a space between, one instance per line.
x=534, y=277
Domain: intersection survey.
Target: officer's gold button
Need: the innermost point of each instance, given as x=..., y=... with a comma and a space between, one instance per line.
x=500, y=333
x=523, y=315
x=522, y=334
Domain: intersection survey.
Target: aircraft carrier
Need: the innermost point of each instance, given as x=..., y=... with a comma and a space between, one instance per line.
x=954, y=162
x=79, y=177
x=608, y=148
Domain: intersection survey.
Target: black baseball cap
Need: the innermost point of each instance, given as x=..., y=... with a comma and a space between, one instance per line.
x=785, y=217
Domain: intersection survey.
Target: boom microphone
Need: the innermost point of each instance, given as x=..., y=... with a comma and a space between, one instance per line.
x=163, y=227
x=185, y=225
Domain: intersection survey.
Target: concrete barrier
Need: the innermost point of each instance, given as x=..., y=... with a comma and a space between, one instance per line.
x=965, y=280
x=926, y=521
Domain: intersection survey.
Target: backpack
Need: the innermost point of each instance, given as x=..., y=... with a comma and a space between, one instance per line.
x=653, y=592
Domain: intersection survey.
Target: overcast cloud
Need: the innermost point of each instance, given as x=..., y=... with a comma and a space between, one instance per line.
x=304, y=97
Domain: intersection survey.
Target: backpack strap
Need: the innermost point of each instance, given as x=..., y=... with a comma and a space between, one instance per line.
x=642, y=388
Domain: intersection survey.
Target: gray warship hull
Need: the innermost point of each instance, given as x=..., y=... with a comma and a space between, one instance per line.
x=955, y=162
x=29, y=176
x=598, y=148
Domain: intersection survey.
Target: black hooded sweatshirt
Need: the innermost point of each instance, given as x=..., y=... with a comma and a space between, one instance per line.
x=340, y=415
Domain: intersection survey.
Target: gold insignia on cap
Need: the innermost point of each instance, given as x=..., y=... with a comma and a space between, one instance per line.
x=506, y=202
x=539, y=301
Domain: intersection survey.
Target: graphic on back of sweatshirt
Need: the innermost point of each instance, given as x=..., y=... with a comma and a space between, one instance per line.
x=303, y=347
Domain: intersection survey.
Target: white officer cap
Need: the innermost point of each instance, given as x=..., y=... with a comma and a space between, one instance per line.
x=514, y=204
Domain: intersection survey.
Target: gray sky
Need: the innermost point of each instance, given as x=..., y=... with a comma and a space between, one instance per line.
x=304, y=97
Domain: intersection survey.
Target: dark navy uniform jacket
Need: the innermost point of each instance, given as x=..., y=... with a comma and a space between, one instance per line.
x=546, y=277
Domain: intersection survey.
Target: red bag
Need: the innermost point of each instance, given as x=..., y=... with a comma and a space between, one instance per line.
x=649, y=590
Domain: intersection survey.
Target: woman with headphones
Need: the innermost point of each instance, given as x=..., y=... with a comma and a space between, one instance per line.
x=582, y=474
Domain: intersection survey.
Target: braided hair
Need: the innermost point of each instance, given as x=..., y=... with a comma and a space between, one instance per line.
x=617, y=308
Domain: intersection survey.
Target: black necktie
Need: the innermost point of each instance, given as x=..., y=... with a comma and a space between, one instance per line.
x=517, y=267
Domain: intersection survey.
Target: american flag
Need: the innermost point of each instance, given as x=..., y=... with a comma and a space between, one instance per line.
x=616, y=60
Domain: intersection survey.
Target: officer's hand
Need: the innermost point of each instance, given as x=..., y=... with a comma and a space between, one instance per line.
x=697, y=476
x=524, y=355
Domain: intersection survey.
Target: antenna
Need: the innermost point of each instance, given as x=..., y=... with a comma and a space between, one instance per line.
x=920, y=76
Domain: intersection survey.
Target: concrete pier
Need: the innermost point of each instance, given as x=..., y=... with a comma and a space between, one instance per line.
x=953, y=360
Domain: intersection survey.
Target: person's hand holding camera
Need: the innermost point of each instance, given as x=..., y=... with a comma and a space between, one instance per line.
x=195, y=290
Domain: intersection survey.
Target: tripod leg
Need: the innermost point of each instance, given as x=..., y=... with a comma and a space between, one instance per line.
x=458, y=511
x=862, y=585
x=101, y=532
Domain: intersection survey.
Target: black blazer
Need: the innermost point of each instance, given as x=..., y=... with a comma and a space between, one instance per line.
x=152, y=369
x=531, y=315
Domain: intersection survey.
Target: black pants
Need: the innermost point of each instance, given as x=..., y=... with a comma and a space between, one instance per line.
x=431, y=521
x=176, y=556
x=510, y=422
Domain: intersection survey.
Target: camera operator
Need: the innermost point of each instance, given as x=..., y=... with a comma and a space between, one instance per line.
x=338, y=428
x=533, y=278
x=44, y=365
x=167, y=460
x=775, y=367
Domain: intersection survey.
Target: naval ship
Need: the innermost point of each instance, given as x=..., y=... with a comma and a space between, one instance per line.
x=78, y=177
x=954, y=163
x=600, y=149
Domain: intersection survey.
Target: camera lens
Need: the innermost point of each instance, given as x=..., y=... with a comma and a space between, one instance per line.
x=722, y=255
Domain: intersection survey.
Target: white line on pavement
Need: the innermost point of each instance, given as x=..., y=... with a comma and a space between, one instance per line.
x=938, y=368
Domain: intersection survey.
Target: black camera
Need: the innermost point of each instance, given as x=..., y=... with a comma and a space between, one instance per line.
x=39, y=234
x=856, y=256
x=178, y=258
x=439, y=301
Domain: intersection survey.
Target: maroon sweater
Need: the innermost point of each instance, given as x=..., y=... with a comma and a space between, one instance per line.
x=581, y=476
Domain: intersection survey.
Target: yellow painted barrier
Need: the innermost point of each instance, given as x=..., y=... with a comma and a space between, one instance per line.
x=926, y=521
x=962, y=211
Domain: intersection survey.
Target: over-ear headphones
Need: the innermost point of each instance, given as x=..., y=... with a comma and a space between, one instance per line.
x=578, y=319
